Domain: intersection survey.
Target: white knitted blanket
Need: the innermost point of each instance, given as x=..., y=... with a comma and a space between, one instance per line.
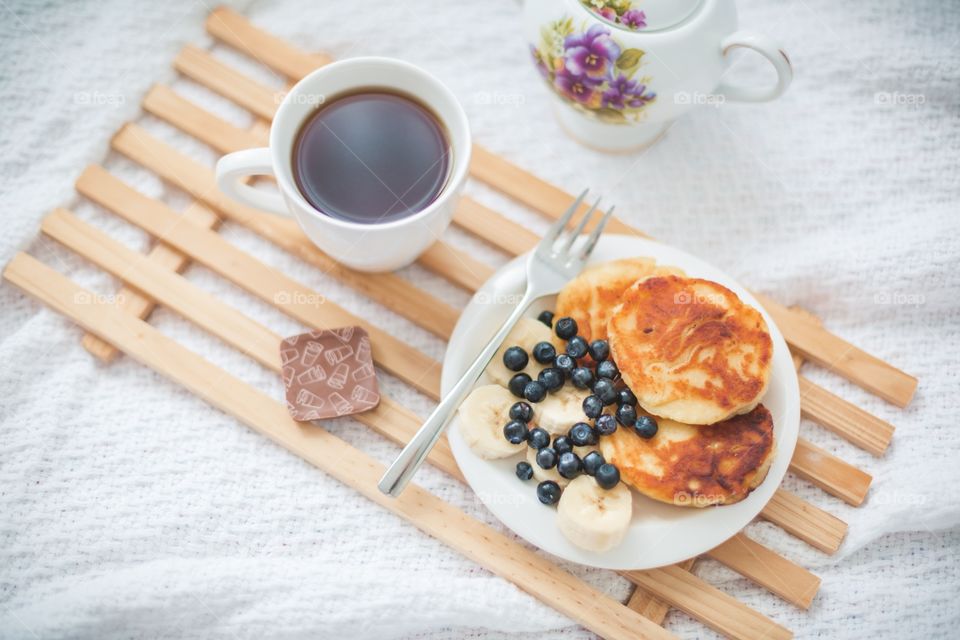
x=129, y=508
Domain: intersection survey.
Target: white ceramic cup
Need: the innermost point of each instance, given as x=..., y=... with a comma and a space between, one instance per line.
x=366, y=247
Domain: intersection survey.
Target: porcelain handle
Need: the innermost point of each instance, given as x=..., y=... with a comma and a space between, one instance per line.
x=769, y=50
x=234, y=168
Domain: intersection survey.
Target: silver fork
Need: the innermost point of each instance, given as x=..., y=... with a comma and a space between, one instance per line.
x=550, y=266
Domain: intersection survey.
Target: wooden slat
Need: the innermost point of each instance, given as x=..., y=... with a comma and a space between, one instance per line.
x=167, y=104
x=495, y=228
x=830, y=473
x=689, y=593
x=811, y=524
x=200, y=66
x=831, y=352
x=272, y=286
x=650, y=606
x=844, y=418
x=235, y=30
x=479, y=542
x=752, y=560
x=456, y=266
x=388, y=289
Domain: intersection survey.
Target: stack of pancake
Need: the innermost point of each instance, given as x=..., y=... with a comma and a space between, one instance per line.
x=698, y=360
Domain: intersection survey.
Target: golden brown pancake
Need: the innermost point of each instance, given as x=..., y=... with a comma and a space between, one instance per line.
x=591, y=297
x=695, y=466
x=690, y=349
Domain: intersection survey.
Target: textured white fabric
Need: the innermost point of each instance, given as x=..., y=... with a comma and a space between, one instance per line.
x=128, y=508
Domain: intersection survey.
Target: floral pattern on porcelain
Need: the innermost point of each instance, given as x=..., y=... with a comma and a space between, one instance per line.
x=592, y=72
x=618, y=12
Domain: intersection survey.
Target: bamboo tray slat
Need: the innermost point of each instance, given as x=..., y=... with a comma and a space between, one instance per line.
x=154, y=278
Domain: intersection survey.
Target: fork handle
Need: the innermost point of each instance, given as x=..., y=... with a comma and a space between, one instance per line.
x=401, y=471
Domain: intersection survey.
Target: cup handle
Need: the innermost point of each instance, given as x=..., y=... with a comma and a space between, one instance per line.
x=233, y=168
x=769, y=50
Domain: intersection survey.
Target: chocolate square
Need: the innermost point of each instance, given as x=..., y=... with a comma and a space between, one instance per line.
x=329, y=373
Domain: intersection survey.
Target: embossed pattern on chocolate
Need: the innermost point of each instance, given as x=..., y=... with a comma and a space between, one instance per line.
x=329, y=373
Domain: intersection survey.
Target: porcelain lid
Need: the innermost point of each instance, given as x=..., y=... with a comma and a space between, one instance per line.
x=642, y=15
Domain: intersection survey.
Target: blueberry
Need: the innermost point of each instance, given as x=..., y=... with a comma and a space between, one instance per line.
x=562, y=444
x=646, y=427
x=565, y=363
x=591, y=462
x=515, y=431
x=546, y=317
x=582, y=378
x=548, y=492
x=534, y=391
x=551, y=378
x=626, y=414
x=518, y=383
x=544, y=352
x=627, y=397
x=570, y=465
x=524, y=470
x=521, y=411
x=582, y=434
x=592, y=406
x=565, y=328
x=515, y=358
x=606, y=424
x=606, y=391
x=607, y=369
x=538, y=438
x=576, y=347
x=607, y=475
x=599, y=350
x=546, y=458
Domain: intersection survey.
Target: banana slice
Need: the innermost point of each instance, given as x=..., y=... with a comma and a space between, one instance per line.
x=541, y=474
x=561, y=410
x=593, y=518
x=482, y=416
x=527, y=333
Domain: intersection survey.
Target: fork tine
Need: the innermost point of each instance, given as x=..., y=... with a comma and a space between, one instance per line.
x=583, y=223
x=595, y=234
x=554, y=231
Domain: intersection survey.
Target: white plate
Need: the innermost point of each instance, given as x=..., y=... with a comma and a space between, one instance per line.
x=660, y=534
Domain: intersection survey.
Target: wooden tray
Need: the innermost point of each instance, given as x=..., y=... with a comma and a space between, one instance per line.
x=191, y=236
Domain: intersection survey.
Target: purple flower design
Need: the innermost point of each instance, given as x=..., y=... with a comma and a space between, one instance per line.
x=634, y=18
x=592, y=53
x=575, y=86
x=623, y=92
